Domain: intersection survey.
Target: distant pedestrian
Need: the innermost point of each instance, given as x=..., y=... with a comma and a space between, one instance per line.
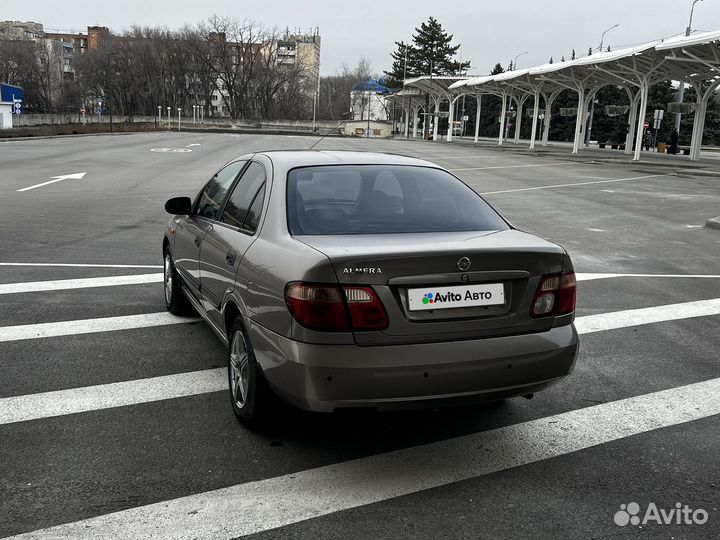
x=674, y=139
x=647, y=140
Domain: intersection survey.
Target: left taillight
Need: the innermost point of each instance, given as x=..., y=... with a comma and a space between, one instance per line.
x=555, y=296
x=331, y=308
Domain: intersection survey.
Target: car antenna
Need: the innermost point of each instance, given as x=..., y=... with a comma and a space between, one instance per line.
x=328, y=133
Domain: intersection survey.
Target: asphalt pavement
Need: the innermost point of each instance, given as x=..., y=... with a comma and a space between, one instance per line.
x=115, y=421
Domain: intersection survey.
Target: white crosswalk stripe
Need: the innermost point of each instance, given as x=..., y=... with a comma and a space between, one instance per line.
x=75, y=400
x=105, y=396
x=82, y=283
x=283, y=500
x=89, y=326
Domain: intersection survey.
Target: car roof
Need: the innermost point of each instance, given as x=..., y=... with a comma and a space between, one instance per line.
x=300, y=158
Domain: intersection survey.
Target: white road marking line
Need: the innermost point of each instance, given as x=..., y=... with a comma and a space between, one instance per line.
x=514, y=166
x=262, y=505
x=89, y=326
x=82, y=265
x=83, y=283
x=108, y=396
x=587, y=276
x=635, y=317
x=74, y=176
x=31, y=406
x=575, y=184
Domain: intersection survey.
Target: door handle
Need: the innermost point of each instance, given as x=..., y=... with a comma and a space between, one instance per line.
x=230, y=257
x=198, y=240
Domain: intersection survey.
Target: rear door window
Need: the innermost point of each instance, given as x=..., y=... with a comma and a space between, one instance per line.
x=372, y=199
x=215, y=191
x=245, y=204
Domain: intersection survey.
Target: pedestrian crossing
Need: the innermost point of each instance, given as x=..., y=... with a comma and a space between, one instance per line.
x=278, y=501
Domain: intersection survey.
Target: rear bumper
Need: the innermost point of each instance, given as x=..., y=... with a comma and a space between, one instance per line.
x=327, y=377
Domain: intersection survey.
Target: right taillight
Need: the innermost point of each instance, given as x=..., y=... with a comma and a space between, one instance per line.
x=330, y=308
x=555, y=296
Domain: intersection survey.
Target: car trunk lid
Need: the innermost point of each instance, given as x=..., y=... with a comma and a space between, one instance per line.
x=404, y=269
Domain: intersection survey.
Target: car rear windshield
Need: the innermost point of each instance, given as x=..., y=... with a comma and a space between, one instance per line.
x=375, y=199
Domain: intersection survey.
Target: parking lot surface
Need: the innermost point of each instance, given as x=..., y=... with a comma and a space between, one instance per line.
x=114, y=415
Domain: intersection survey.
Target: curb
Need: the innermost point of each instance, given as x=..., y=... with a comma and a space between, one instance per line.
x=713, y=223
x=65, y=136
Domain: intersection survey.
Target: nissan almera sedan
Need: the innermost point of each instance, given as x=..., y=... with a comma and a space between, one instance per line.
x=347, y=279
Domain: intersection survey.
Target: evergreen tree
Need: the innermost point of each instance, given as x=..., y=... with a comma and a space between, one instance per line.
x=398, y=70
x=431, y=51
x=434, y=51
x=497, y=70
x=562, y=58
x=551, y=60
x=589, y=51
x=572, y=56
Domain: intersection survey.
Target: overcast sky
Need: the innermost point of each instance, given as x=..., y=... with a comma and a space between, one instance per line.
x=489, y=32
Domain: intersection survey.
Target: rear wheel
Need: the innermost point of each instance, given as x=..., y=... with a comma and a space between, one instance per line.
x=175, y=300
x=251, y=398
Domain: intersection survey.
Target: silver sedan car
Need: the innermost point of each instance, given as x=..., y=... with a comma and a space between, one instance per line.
x=349, y=279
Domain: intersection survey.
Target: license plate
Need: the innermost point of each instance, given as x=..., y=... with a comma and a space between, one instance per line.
x=488, y=294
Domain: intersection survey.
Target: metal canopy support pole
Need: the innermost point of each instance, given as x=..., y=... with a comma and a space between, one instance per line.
x=536, y=112
x=548, y=115
x=406, y=127
x=588, y=104
x=640, y=130
x=698, y=126
x=703, y=96
x=436, y=119
x=478, y=102
x=416, y=112
x=632, y=119
x=579, y=119
x=518, y=119
x=502, y=118
x=451, y=119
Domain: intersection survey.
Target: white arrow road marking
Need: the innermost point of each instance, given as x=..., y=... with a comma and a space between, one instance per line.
x=193, y=144
x=252, y=507
x=104, y=396
x=83, y=283
x=74, y=176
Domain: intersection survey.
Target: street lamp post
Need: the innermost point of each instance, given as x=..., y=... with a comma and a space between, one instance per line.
x=159, y=120
x=514, y=66
x=169, y=120
x=681, y=86
x=592, y=105
x=111, y=56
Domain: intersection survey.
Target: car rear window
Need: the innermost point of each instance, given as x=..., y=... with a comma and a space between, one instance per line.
x=374, y=199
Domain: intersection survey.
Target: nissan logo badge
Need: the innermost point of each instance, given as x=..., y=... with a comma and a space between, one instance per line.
x=464, y=264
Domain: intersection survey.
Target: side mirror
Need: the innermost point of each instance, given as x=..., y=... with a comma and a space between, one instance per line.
x=181, y=206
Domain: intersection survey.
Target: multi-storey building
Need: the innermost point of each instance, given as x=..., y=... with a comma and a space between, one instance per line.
x=27, y=30
x=305, y=50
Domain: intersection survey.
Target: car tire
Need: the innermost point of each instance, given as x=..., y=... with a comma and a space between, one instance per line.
x=251, y=398
x=175, y=300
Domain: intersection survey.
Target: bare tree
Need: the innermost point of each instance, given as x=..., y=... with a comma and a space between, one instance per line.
x=335, y=90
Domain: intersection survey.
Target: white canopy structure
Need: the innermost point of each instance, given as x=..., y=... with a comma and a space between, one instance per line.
x=694, y=60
